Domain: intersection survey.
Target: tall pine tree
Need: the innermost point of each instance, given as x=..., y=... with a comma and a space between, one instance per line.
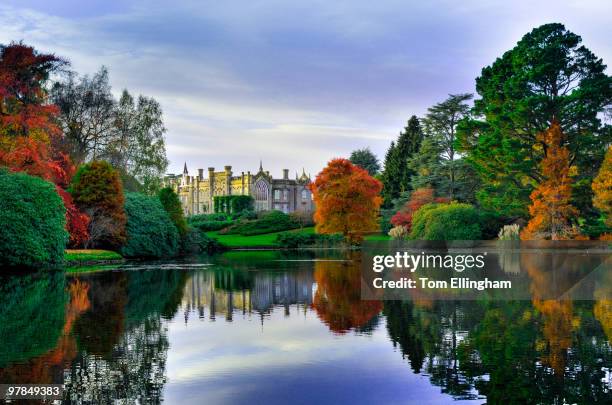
x=397, y=174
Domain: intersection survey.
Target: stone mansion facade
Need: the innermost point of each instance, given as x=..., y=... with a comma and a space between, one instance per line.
x=197, y=192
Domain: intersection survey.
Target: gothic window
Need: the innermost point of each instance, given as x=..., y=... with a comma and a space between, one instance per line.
x=277, y=195
x=261, y=191
x=305, y=195
x=285, y=195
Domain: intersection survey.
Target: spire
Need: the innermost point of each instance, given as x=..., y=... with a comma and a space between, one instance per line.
x=185, y=169
x=260, y=166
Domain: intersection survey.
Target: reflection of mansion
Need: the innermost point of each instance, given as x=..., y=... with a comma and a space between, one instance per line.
x=285, y=194
x=268, y=291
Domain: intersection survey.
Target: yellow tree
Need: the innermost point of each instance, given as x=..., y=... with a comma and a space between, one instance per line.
x=551, y=211
x=602, y=188
x=347, y=200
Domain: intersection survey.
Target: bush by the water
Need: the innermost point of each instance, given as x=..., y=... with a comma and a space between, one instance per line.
x=196, y=241
x=32, y=222
x=446, y=222
x=150, y=231
x=272, y=221
x=294, y=240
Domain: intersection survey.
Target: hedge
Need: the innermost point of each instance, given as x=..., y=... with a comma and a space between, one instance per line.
x=273, y=221
x=32, y=222
x=150, y=231
x=294, y=240
x=446, y=222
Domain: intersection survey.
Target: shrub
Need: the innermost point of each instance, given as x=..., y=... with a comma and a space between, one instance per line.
x=446, y=222
x=399, y=232
x=207, y=217
x=32, y=222
x=418, y=198
x=207, y=226
x=171, y=203
x=509, y=232
x=150, y=231
x=294, y=240
x=196, y=242
x=98, y=192
x=304, y=218
x=272, y=221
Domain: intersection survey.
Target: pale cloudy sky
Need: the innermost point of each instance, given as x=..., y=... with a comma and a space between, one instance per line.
x=293, y=83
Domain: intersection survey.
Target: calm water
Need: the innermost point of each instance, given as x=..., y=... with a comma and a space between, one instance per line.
x=269, y=327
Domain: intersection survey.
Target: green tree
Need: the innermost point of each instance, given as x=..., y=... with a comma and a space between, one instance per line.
x=547, y=76
x=150, y=230
x=32, y=222
x=172, y=205
x=365, y=159
x=97, y=190
x=397, y=174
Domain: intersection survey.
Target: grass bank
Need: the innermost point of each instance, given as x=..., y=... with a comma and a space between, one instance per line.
x=80, y=257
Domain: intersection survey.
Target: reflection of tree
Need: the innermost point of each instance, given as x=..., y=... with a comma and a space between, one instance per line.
x=46, y=369
x=337, y=300
x=129, y=361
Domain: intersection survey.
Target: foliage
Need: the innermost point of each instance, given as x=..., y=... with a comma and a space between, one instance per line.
x=86, y=255
x=205, y=226
x=551, y=211
x=77, y=223
x=150, y=230
x=304, y=218
x=440, y=125
x=272, y=221
x=97, y=190
x=24, y=73
x=232, y=203
x=294, y=240
x=418, y=198
x=602, y=188
x=547, y=76
x=32, y=222
x=172, y=205
x=263, y=240
x=196, y=241
x=127, y=133
x=347, y=200
x=454, y=221
x=365, y=159
x=509, y=232
x=396, y=174
x=399, y=232
x=220, y=216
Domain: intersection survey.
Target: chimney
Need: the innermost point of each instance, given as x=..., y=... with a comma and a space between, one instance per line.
x=201, y=174
x=285, y=174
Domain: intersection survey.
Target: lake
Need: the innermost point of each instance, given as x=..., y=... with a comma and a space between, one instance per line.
x=275, y=327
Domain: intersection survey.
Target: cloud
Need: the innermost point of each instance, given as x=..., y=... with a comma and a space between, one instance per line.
x=292, y=83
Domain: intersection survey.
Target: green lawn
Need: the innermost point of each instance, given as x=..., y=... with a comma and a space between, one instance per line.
x=89, y=255
x=377, y=237
x=265, y=240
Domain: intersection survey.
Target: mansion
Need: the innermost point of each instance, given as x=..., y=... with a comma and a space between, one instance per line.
x=284, y=194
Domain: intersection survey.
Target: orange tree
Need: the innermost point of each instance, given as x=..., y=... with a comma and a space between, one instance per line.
x=552, y=214
x=602, y=188
x=347, y=200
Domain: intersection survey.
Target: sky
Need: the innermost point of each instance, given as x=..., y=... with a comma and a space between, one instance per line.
x=291, y=83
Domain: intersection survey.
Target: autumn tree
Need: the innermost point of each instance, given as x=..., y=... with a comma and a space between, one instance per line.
x=347, y=200
x=365, y=159
x=549, y=75
x=418, y=198
x=97, y=190
x=552, y=214
x=602, y=188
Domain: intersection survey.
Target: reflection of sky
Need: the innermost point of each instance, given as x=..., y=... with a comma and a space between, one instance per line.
x=293, y=359
x=293, y=83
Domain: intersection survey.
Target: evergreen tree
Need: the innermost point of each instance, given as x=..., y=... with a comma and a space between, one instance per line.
x=397, y=174
x=365, y=159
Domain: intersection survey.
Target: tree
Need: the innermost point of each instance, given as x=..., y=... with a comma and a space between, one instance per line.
x=139, y=148
x=97, y=190
x=24, y=72
x=396, y=175
x=171, y=203
x=551, y=211
x=418, y=198
x=87, y=114
x=548, y=76
x=365, y=159
x=441, y=126
x=347, y=200
x=32, y=222
x=602, y=188
x=150, y=230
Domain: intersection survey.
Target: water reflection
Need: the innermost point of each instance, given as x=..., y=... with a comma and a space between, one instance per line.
x=281, y=328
